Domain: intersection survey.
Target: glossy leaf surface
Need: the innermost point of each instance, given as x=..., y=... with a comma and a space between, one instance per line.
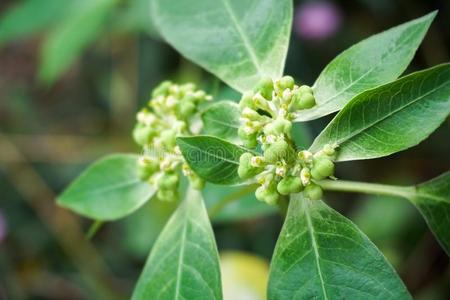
x=322, y=255
x=238, y=41
x=369, y=63
x=109, y=189
x=390, y=118
x=184, y=263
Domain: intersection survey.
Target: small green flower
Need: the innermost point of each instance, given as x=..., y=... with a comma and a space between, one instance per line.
x=286, y=82
x=143, y=134
x=303, y=100
x=168, y=181
x=167, y=195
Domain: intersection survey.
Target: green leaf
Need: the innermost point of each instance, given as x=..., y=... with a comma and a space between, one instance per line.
x=69, y=39
x=107, y=190
x=432, y=198
x=322, y=255
x=26, y=18
x=238, y=41
x=372, y=62
x=184, y=263
x=213, y=159
x=390, y=118
x=221, y=119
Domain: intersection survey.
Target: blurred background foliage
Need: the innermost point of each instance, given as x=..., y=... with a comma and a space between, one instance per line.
x=73, y=73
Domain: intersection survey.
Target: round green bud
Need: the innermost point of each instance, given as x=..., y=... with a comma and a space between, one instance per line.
x=313, y=192
x=186, y=109
x=247, y=100
x=245, y=169
x=289, y=185
x=162, y=89
x=304, y=101
x=168, y=181
x=196, y=182
x=167, y=195
x=147, y=167
x=305, y=89
x=143, y=134
x=265, y=88
x=250, y=140
x=322, y=168
x=286, y=82
x=168, y=138
x=282, y=126
x=272, y=198
x=261, y=193
x=278, y=151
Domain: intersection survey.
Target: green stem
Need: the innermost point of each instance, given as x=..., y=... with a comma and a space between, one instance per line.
x=93, y=229
x=219, y=205
x=367, y=188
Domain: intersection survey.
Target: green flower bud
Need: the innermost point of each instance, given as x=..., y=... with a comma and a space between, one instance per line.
x=186, y=109
x=286, y=82
x=322, y=168
x=147, y=167
x=265, y=88
x=249, y=140
x=272, y=198
x=305, y=89
x=250, y=114
x=168, y=138
x=304, y=101
x=162, y=89
x=143, y=134
x=282, y=126
x=279, y=150
x=313, y=192
x=168, y=181
x=245, y=169
x=247, y=100
x=167, y=195
x=266, y=194
x=289, y=185
x=196, y=182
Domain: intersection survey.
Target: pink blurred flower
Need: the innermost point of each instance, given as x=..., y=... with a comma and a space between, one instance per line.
x=317, y=20
x=3, y=227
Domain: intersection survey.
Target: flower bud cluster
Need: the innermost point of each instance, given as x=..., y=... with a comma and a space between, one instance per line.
x=266, y=119
x=268, y=111
x=171, y=112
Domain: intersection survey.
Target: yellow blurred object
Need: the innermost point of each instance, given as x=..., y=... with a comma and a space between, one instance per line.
x=244, y=276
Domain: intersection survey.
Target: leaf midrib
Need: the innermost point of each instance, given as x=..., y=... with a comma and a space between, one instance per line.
x=316, y=251
x=245, y=41
x=355, y=133
x=181, y=258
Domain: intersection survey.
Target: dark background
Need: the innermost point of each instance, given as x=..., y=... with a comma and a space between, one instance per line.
x=50, y=129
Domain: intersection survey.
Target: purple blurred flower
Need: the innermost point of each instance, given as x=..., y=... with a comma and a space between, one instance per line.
x=317, y=20
x=3, y=227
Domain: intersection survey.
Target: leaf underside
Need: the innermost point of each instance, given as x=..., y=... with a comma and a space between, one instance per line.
x=222, y=119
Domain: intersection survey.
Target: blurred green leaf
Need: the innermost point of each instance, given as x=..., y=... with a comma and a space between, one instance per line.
x=135, y=17
x=28, y=17
x=238, y=41
x=109, y=189
x=372, y=62
x=322, y=255
x=390, y=118
x=222, y=119
x=432, y=198
x=73, y=34
x=184, y=263
x=213, y=159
